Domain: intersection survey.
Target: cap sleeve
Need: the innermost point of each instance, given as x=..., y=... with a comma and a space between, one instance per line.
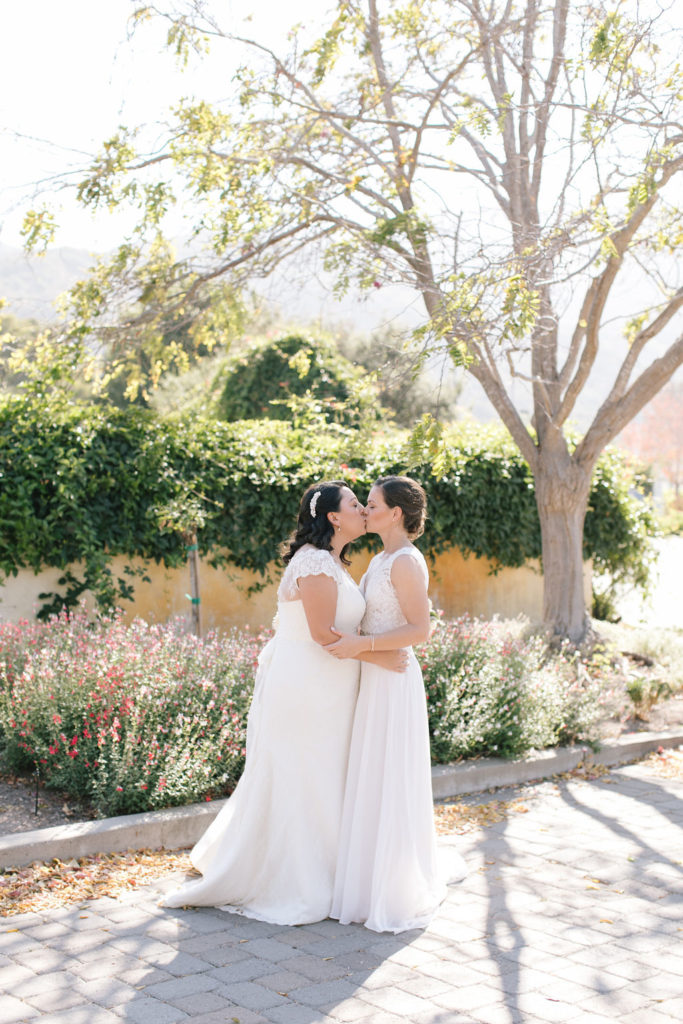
x=308, y=561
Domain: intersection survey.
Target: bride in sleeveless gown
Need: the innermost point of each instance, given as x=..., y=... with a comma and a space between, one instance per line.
x=270, y=854
x=388, y=876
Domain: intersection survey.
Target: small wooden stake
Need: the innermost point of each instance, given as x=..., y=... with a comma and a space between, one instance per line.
x=193, y=561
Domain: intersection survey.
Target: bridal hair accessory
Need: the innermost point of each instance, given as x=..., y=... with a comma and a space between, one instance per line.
x=314, y=502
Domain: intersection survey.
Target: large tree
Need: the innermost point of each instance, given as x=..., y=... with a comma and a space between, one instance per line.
x=514, y=162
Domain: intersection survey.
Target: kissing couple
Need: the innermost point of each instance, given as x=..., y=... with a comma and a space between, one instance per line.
x=333, y=816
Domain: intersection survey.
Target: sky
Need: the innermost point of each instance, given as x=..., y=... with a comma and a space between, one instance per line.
x=70, y=75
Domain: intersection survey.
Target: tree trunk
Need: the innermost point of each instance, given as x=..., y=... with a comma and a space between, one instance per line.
x=562, y=490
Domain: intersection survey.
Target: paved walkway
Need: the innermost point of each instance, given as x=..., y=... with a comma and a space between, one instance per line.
x=571, y=912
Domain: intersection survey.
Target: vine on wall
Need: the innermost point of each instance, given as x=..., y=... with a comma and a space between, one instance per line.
x=81, y=484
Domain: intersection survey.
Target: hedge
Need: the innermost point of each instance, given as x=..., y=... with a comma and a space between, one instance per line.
x=84, y=483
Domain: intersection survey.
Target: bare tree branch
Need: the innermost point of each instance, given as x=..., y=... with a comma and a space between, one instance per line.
x=641, y=339
x=542, y=112
x=600, y=288
x=614, y=414
x=488, y=376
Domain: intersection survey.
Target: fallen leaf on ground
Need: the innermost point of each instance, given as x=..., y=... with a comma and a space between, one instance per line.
x=47, y=885
x=461, y=817
x=589, y=772
x=668, y=764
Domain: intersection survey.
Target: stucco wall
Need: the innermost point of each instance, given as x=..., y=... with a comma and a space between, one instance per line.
x=459, y=585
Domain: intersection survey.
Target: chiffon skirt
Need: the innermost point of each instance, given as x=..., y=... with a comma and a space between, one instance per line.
x=271, y=852
x=388, y=876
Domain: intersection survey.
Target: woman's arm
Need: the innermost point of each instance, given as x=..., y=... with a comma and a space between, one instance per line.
x=319, y=598
x=394, y=661
x=411, y=591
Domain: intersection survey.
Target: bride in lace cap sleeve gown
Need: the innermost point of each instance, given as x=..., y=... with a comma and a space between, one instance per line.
x=271, y=851
x=388, y=876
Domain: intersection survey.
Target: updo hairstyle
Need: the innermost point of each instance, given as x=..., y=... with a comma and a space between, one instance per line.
x=316, y=530
x=406, y=494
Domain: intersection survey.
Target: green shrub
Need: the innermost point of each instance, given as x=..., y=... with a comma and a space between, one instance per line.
x=646, y=692
x=139, y=717
x=490, y=692
x=670, y=520
x=265, y=381
x=603, y=606
x=83, y=484
x=128, y=717
x=620, y=543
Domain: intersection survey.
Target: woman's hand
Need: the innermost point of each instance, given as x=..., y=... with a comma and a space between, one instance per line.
x=349, y=645
x=394, y=661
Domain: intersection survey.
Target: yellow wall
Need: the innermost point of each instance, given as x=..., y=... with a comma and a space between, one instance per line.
x=459, y=585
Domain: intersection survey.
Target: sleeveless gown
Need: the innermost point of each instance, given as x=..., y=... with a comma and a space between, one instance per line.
x=387, y=874
x=270, y=854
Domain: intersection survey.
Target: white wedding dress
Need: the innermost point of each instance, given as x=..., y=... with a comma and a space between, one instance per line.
x=388, y=877
x=271, y=852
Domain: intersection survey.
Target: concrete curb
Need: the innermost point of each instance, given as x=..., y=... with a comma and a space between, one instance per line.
x=181, y=827
x=489, y=772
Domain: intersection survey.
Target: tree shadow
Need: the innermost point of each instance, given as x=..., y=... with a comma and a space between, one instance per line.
x=488, y=942
x=670, y=807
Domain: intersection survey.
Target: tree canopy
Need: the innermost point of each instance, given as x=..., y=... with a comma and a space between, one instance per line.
x=515, y=162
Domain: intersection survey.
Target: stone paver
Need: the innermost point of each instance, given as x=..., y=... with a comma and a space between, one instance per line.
x=571, y=912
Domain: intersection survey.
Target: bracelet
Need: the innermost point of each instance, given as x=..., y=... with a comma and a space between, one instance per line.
x=372, y=644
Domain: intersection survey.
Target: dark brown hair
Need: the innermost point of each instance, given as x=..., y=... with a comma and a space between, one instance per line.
x=317, y=529
x=406, y=494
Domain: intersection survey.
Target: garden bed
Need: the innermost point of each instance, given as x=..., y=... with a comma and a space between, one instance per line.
x=18, y=793
x=125, y=718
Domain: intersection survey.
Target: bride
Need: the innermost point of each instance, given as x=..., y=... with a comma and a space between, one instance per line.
x=387, y=873
x=271, y=852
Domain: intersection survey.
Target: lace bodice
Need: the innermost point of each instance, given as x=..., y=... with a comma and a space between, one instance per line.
x=290, y=622
x=382, y=610
x=308, y=561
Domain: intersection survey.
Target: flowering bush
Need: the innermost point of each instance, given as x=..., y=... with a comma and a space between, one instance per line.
x=130, y=717
x=136, y=717
x=490, y=692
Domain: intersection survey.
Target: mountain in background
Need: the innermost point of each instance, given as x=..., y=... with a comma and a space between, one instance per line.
x=31, y=284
